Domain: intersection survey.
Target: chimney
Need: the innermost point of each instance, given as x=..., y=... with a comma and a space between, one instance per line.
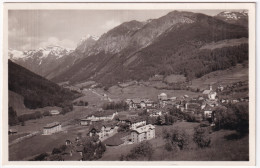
x=210, y=87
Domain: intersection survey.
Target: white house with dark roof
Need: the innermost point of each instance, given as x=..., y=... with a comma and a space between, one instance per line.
x=51, y=128
x=143, y=133
x=137, y=122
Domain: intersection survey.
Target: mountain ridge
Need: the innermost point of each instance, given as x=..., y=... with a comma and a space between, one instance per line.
x=181, y=32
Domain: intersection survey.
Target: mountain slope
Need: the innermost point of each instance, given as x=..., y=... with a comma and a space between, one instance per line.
x=37, y=91
x=168, y=45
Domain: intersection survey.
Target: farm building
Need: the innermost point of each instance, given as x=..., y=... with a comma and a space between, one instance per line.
x=12, y=131
x=143, y=133
x=51, y=128
x=103, y=115
x=54, y=112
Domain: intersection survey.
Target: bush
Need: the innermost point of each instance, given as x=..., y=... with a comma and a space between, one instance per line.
x=177, y=138
x=201, y=137
x=168, y=146
x=55, y=158
x=67, y=108
x=46, y=113
x=41, y=157
x=93, y=150
x=32, y=116
x=12, y=117
x=144, y=150
x=123, y=127
x=115, y=106
x=235, y=117
x=56, y=151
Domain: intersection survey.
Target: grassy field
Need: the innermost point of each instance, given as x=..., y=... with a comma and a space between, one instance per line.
x=36, y=125
x=43, y=143
x=94, y=99
x=141, y=91
x=223, y=77
x=175, y=78
x=221, y=149
x=15, y=136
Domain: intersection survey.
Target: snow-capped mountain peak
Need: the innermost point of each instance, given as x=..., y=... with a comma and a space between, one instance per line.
x=230, y=15
x=49, y=51
x=88, y=37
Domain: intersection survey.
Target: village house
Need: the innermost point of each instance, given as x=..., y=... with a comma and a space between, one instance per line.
x=173, y=98
x=220, y=88
x=85, y=121
x=208, y=110
x=134, y=103
x=210, y=94
x=98, y=116
x=51, y=128
x=156, y=113
x=103, y=115
x=68, y=142
x=143, y=133
x=138, y=103
x=54, y=112
x=137, y=122
x=102, y=130
x=124, y=120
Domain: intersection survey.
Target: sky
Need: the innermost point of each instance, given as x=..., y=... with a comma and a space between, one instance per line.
x=33, y=29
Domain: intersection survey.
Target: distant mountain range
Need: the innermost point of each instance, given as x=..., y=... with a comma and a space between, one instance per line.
x=171, y=44
x=41, y=61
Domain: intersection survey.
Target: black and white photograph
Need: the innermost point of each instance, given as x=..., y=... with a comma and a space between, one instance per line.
x=103, y=82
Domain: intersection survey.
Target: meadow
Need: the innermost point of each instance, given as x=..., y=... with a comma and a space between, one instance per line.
x=221, y=148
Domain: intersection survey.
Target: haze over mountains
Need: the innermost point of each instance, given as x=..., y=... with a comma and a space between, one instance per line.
x=172, y=44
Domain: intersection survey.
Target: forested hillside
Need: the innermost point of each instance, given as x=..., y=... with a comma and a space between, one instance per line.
x=37, y=91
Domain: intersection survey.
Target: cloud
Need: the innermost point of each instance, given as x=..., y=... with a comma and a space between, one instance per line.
x=55, y=41
x=109, y=24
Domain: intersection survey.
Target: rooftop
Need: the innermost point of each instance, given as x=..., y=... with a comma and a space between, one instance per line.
x=144, y=128
x=50, y=125
x=116, y=139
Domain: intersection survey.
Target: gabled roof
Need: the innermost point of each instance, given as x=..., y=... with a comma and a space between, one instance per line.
x=136, y=119
x=51, y=125
x=116, y=140
x=143, y=129
x=12, y=130
x=206, y=91
x=97, y=126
